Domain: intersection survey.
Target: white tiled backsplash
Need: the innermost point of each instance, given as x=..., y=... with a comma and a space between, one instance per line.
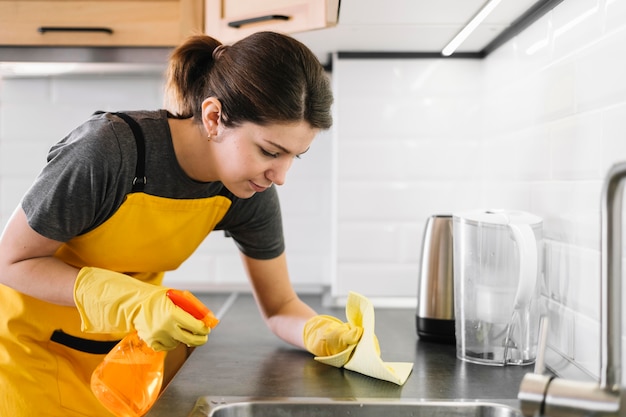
x=534, y=126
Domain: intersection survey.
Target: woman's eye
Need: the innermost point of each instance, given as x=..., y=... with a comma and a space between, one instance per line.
x=271, y=155
x=276, y=154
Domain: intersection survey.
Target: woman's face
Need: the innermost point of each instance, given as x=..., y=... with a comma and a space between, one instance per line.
x=249, y=158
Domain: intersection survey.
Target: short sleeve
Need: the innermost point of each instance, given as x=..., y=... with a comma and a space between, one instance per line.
x=76, y=190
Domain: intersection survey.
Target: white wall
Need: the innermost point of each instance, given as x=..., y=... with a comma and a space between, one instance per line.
x=555, y=111
x=535, y=126
x=408, y=141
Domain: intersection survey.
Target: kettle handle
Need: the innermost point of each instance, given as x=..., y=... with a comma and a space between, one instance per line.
x=527, y=243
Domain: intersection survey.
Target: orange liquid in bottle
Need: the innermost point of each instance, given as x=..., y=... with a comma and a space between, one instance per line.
x=129, y=380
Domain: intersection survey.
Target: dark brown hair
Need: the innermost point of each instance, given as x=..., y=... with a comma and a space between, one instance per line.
x=264, y=78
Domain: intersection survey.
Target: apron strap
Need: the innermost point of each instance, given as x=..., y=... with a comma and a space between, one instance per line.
x=139, y=182
x=97, y=347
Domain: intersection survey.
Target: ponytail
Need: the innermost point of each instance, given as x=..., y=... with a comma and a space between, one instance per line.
x=187, y=75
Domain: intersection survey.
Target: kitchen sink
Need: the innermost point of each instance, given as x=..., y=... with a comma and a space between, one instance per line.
x=329, y=407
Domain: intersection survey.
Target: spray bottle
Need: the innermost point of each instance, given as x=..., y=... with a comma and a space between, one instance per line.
x=129, y=379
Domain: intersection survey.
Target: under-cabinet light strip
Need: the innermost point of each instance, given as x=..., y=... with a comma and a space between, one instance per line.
x=470, y=27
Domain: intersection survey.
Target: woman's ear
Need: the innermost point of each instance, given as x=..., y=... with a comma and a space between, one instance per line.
x=211, y=115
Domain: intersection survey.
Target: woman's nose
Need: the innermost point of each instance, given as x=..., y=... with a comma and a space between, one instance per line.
x=278, y=171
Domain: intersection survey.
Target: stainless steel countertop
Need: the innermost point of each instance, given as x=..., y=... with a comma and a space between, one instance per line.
x=243, y=358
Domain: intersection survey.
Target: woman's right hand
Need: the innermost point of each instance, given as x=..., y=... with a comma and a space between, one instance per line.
x=111, y=302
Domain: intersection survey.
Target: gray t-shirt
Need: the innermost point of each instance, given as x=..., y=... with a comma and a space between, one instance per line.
x=90, y=172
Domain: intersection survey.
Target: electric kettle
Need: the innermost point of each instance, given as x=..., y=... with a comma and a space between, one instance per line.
x=434, y=318
x=497, y=264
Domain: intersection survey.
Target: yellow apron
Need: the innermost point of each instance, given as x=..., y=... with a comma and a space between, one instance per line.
x=40, y=375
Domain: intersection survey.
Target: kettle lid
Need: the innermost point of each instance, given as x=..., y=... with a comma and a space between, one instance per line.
x=500, y=217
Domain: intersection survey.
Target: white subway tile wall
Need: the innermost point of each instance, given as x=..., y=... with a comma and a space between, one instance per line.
x=566, y=75
x=534, y=126
x=408, y=146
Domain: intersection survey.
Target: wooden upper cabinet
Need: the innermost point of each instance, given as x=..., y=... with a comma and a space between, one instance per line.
x=231, y=20
x=99, y=22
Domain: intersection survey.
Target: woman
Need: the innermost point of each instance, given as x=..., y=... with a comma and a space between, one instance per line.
x=127, y=196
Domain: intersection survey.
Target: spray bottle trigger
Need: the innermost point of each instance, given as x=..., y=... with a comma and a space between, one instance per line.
x=190, y=303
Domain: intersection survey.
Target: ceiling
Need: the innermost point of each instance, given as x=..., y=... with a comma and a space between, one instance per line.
x=417, y=26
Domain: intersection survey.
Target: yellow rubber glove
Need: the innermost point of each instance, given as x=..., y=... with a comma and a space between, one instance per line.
x=110, y=302
x=327, y=335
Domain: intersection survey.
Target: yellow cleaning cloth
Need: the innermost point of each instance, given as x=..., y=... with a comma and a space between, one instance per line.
x=364, y=357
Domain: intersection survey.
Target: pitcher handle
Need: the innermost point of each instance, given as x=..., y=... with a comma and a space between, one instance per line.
x=527, y=243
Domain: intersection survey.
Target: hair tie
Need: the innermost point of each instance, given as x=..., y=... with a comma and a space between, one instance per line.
x=217, y=52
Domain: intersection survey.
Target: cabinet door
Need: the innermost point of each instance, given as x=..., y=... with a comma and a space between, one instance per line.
x=99, y=23
x=231, y=20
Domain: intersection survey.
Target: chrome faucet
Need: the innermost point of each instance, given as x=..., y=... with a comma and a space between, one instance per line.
x=544, y=395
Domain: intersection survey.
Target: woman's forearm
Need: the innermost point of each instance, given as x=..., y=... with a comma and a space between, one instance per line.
x=46, y=279
x=27, y=264
x=289, y=323
x=283, y=311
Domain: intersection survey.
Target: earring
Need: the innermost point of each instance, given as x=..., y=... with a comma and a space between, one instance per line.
x=209, y=136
